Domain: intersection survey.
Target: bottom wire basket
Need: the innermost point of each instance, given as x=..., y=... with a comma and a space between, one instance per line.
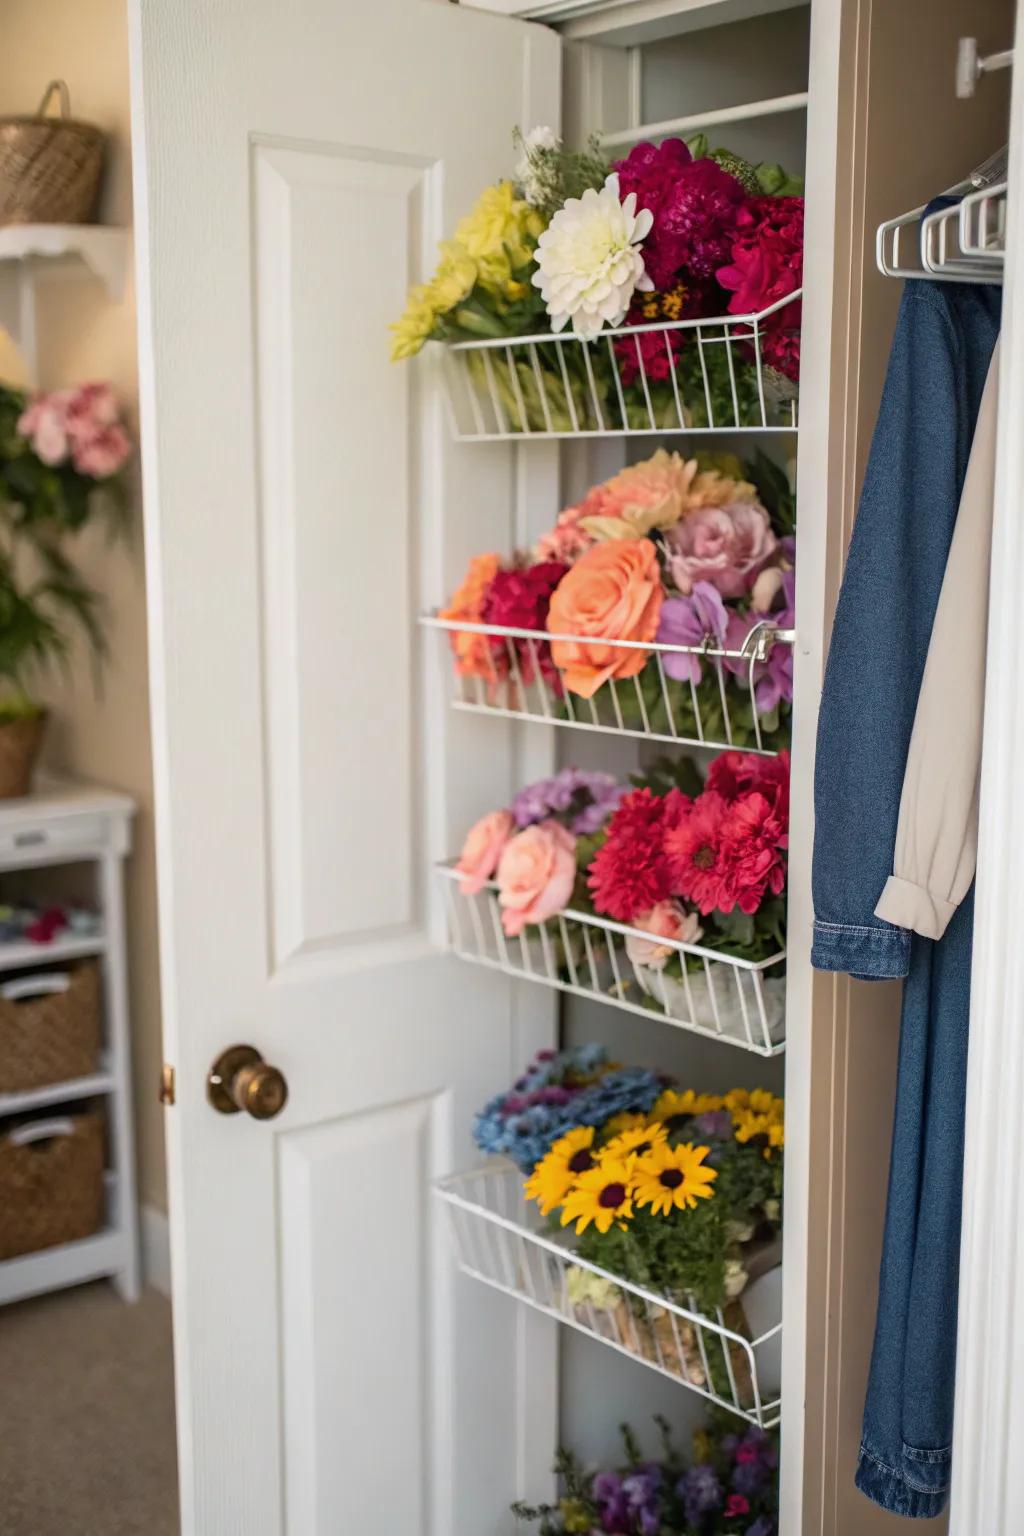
x=733, y=1358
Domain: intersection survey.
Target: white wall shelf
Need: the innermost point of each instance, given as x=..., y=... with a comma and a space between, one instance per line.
x=629, y=22
x=79, y=824
x=29, y=252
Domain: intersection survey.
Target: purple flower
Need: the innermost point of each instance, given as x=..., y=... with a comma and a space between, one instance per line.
x=582, y=801
x=690, y=621
x=748, y=1478
x=700, y=1491
x=764, y=1525
x=773, y=679
x=713, y=1125
x=611, y=1499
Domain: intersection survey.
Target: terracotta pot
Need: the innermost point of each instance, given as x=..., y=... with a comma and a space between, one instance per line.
x=20, y=741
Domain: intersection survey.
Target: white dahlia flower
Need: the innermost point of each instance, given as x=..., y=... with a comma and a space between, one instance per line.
x=589, y=262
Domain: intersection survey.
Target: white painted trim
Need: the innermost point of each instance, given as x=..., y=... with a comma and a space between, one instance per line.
x=156, y=1249
x=988, y=1470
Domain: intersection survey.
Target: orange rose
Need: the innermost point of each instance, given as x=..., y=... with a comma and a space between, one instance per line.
x=612, y=593
x=473, y=654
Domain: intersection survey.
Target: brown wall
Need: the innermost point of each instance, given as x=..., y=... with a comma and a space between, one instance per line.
x=903, y=138
x=82, y=335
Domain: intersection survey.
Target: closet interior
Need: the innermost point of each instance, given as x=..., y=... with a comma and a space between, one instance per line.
x=754, y=78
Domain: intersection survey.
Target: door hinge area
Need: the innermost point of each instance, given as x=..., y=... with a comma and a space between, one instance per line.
x=167, y=1084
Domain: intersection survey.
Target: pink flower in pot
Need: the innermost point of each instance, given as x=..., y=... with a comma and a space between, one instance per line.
x=726, y=546
x=536, y=875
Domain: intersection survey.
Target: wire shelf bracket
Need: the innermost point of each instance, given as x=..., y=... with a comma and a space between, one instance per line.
x=739, y=1002
x=559, y=386
x=653, y=704
x=731, y=1357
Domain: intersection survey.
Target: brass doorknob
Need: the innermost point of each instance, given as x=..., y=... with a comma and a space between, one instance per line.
x=241, y=1079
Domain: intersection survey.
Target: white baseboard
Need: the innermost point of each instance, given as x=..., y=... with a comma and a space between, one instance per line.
x=156, y=1249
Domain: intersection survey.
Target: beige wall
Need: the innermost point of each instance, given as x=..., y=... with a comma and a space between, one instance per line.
x=83, y=336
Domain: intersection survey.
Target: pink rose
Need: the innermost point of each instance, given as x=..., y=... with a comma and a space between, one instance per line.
x=536, y=874
x=727, y=546
x=101, y=454
x=44, y=423
x=90, y=407
x=482, y=849
x=665, y=921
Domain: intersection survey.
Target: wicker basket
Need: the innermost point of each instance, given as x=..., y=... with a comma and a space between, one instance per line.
x=51, y=1037
x=51, y=1183
x=49, y=167
x=20, y=741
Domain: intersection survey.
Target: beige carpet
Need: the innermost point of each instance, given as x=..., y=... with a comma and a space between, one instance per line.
x=87, y=1416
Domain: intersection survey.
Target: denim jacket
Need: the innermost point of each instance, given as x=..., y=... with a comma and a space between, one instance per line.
x=944, y=338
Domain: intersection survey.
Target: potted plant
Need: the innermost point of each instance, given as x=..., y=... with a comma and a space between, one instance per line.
x=61, y=457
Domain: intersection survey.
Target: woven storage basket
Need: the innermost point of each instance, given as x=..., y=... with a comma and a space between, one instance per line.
x=52, y=1037
x=51, y=1188
x=20, y=741
x=49, y=166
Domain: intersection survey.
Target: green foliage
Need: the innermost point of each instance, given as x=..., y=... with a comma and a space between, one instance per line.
x=774, y=491
x=557, y=173
x=43, y=598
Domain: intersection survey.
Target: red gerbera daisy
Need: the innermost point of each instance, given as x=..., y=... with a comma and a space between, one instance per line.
x=631, y=872
x=697, y=856
x=737, y=773
x=753, y=835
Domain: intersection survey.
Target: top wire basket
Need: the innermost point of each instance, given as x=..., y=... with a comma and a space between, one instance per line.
x=687, y=376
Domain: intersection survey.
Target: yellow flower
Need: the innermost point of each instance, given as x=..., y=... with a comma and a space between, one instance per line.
x=558, y=1170
x=415, y=325
x=574, y=1516
x=455, y=277
x=673, y=1178
x=626, y=1120
x=635, y=1142
x=758, y=1114
x=499, y=234
x=602, y=1196
x=678, y=1106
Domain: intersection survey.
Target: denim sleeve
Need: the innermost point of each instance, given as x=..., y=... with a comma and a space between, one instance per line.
x=884, y=619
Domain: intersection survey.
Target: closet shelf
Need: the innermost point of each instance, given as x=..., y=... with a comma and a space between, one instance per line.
x=732, y=1357
x=78, y=249
x=717, y=710
x=740, y=1002
x=547, y=386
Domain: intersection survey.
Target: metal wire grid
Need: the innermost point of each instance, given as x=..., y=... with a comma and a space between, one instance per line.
x=962, y=243
x=675, y=713
x=740, y=1002
x=547, y=385
x=494, y=1244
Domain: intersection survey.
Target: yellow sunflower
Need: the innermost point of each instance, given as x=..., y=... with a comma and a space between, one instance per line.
x=627, y=1120
x=673, y=1178
x=677, y=1106
x=602, y=1196
x=558, y=1170
x=636, y=1141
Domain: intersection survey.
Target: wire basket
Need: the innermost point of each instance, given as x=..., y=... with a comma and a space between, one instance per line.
x=741, y=1002
x=711, y=377
x=49, y=167
x=731, y=1356
x=712, y=700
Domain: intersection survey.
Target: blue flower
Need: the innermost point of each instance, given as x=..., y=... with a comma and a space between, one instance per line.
x=700, y=1491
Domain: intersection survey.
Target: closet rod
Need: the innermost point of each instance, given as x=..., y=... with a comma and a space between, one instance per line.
x=970, y=65
x=771, y=107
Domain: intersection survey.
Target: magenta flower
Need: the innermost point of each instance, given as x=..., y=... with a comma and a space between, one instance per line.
x=690, y=621
x=695, y=205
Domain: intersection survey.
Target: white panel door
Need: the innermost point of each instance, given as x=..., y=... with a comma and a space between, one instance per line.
x=296, y=165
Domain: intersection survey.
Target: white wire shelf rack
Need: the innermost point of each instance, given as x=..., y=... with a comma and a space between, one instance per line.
x=548, y=386
x=718, y=712
x=732, y=1357
x=740, y=1002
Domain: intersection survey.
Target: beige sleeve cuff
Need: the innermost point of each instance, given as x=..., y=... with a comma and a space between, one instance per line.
x=912, y=906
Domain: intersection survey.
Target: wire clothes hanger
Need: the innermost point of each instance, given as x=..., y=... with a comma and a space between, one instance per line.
x=960, y=241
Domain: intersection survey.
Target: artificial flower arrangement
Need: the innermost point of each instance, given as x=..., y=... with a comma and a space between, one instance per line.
x=727, y=1488
x=696, y=552
x=680, y=860
x=61, y=457
x=665, y=1188
x=675, y=231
